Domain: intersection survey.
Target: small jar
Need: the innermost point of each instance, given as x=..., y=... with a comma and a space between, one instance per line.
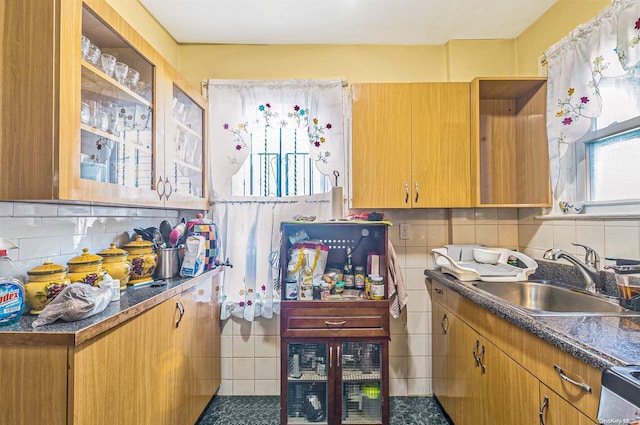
x=339, y=288
x=377, y=288
x=316, y=290
x=324, y=291
x=86, y=268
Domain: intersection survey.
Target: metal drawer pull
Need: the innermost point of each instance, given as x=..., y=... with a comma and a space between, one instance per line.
x=444, y=324
x=545, y=404
x=341, y=323
x=330, y=356
x=582, y=385
x=438, y=291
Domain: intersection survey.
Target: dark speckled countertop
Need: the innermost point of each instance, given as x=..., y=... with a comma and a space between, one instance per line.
x=600, y=341
x=133, y=301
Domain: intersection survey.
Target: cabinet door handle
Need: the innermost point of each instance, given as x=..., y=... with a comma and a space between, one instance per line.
x=338, y=356
x=480, y=359
x=582, y=385
x=406, y=193
x=340, y=323
x=438, y=291
x=475, y=351
x=160, y=194
x=180, y=308
x=545, y=404
x=417, y=192
x=444, y=324
x=167, y=193
x=330, y=357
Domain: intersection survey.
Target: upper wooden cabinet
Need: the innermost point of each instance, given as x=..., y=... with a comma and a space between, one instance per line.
x=410, y=145
x=510, y=162
x=69, y=129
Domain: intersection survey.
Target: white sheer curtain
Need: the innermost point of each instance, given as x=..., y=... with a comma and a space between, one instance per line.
x=608, y=46
x=240, y=113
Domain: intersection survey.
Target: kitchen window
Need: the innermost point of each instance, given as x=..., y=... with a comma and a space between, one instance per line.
x=593, y=112
x=608, y=161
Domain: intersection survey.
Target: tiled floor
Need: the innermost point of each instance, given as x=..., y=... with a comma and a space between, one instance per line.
x=254, y=410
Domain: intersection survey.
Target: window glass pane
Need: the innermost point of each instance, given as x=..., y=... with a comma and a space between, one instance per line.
x=279, y=165
x=620, y=100
x=615, y=167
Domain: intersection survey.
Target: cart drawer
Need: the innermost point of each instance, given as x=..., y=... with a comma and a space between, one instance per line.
x=329, y=320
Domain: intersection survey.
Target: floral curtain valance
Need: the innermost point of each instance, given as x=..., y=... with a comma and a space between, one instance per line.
x=608, y=46
x=314, y=109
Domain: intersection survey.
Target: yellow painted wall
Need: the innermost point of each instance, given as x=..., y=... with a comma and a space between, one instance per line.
x=138, y=17
x=551, y=27
x=467, y=59
x=357, y=63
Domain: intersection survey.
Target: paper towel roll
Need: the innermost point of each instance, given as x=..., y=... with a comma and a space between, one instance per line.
x=337, y=203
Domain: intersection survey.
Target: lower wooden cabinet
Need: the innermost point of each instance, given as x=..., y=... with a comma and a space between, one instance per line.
x=160, y=367
x=476, y=378
x=334, y=362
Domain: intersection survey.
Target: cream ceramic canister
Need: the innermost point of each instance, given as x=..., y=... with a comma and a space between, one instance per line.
x=45, y=283
x=115, y=263
x=143, y=261
x=86, y=268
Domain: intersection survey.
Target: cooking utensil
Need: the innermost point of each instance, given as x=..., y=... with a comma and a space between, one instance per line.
x=165, y=231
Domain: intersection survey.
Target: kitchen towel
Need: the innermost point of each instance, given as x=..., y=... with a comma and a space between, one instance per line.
x=398, y=295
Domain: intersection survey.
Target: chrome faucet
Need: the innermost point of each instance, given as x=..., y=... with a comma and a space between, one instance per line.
x=590, y=269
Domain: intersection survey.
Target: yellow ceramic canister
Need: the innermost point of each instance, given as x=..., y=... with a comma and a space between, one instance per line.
x=116, y=264
x=86, y=268
x=45, y=283
x=143, y=261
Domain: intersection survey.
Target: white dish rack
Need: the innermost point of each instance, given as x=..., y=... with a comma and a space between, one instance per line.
x=457, y=260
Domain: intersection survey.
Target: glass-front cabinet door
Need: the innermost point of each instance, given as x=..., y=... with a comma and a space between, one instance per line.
x=337, y=382
x=117, y=137
x=361, y=382
x=307, y=383
x=184, y=160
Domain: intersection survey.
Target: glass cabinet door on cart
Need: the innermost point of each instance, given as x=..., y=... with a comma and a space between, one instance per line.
x=361, y=366
x=116, y=111
x=307, y=383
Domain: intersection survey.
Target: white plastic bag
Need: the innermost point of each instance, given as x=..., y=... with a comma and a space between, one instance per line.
x=75, y=302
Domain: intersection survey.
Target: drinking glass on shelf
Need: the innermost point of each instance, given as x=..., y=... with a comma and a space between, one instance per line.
x=86, y=43
x=133, y=77
x=94, y=54
x=108, y=64
x=85, y=113
x=121, y=70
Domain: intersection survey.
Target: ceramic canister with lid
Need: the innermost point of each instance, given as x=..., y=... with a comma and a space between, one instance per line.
x=45, y=283
x=86, y=268
x=143, y=261
x=115, y=263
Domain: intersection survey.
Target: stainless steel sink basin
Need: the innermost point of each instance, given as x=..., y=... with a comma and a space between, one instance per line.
x=547, y=298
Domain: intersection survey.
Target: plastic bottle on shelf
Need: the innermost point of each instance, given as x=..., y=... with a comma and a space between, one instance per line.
x=12, y=294
x=291, y=286
x=347, y=272
x=306, y=281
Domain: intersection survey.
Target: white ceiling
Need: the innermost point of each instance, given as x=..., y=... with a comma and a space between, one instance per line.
x=343, y=21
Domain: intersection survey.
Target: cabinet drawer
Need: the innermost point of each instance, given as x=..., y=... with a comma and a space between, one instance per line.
x=326, y=319
x=574, y=369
